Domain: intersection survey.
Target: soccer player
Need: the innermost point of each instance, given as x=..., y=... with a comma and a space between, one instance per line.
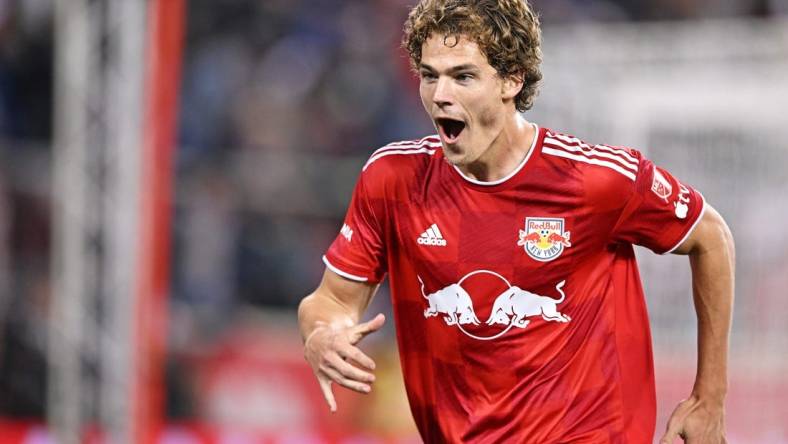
x=519, y=312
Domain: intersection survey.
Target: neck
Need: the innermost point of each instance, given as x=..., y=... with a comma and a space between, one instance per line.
x=505, y=153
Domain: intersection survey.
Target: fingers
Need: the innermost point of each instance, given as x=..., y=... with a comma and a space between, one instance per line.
x=325, y=387
x=345, y=382
x=334, y=358
x=349, y=371
x=368, y=327
x=335, y=369
x=671, y=431
x=358, y=356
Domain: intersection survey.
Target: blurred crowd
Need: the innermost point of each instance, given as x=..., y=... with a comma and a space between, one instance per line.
x=281, y=101
x=290, y=97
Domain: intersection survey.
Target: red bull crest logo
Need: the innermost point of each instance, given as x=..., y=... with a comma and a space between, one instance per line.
x=544, y=238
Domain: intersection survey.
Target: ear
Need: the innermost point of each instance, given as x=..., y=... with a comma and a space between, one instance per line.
x=511, y=86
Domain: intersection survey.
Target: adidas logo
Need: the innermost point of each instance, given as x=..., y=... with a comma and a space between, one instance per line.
x=432, y=236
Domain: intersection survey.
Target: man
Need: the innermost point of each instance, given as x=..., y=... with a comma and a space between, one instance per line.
x=519, y=312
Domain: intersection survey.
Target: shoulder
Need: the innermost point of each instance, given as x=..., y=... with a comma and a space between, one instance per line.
x=403, y=152
x=605, y=159
x=604, y=171
x=401, y=159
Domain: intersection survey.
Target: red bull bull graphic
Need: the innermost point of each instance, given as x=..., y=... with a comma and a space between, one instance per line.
x=514, y=306
x=544, y=238
x=511, y=308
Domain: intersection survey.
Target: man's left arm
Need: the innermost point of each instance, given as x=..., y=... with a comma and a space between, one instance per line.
x=699, y=419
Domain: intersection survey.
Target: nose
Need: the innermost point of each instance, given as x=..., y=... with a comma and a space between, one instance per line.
x=443, y=93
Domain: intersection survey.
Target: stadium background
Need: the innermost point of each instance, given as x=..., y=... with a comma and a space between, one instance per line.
x=280, y=103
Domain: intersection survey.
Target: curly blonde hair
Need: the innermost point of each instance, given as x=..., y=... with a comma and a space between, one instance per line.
x=507, y=32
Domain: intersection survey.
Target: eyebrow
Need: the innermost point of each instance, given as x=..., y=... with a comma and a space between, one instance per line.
x=453, y=69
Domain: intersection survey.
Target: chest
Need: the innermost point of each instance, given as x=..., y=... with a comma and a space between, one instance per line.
x=516, y=234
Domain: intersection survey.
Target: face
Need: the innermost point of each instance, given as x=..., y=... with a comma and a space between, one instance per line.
x=465, y=97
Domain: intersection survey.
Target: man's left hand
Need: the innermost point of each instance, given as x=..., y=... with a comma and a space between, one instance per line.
x=697, y=421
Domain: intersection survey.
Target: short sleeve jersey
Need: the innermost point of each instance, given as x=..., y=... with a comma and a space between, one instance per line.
x=519, y=311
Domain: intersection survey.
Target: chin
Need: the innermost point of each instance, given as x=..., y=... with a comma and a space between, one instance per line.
x=454, y=152
x=460, y=159
x=455, y=159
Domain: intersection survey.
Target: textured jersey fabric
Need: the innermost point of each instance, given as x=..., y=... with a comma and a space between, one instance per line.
x=519, y=311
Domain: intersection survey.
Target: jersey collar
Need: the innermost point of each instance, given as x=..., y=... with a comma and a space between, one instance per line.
x=510, y=178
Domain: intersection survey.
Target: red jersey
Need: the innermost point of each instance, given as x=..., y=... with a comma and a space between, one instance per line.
x=519, y=311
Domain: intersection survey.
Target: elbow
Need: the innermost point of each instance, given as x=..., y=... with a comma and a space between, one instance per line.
x=724, y=235
x=716, y=236
x=729, y=242
x=304, y=306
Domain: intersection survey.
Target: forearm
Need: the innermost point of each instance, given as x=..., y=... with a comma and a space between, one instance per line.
x=336, y=302
x=713, y=264
x=319, y=309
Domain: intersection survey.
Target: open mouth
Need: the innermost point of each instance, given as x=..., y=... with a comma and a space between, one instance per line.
x=450, y=129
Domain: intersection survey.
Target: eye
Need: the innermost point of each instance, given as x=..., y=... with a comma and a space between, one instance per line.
x=464, y=77
x=426, y=75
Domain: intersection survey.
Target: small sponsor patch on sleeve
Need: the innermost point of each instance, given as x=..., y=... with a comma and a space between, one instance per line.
x=347, y=232
x=682, y=202
x=661, y=186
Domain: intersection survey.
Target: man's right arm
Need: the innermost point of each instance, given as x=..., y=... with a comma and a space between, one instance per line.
x=329, y=323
